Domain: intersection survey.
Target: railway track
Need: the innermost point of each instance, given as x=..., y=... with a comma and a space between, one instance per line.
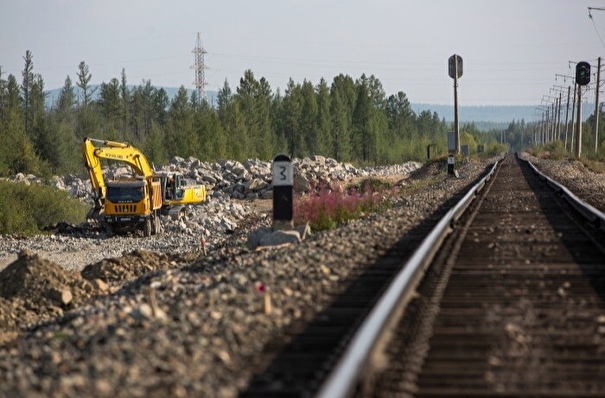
x=511, y=304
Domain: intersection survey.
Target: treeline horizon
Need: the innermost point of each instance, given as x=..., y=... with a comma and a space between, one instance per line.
x=350, y=120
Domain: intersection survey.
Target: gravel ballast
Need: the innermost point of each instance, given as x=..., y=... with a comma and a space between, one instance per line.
x=155, y=317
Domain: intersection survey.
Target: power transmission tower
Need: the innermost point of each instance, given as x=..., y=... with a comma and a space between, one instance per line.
x=200, y=67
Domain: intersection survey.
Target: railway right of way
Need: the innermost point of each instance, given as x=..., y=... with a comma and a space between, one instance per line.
x=518, y=308
x=215, y=338
x=511, y=305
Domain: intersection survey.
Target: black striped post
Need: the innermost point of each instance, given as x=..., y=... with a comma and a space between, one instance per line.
x=283, y=190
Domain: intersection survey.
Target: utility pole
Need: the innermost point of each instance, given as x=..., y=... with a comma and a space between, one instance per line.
x=547, y=127
x=541, y=132
x=569, y=134
x=553, y=125
x=596, y=108
x=552, y=117
x=559, y=118
x=560, y=90
x=579, y=128
x=567, y=115
x=573, y=118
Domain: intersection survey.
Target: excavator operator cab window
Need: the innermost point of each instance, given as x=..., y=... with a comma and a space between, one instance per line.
x=179, y=187
x=170, y=187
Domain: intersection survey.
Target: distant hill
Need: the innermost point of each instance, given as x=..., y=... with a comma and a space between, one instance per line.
x=485, y=117
x=493, y=114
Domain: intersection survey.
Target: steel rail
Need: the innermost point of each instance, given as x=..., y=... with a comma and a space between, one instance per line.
x=343, y=379
x=587, y=211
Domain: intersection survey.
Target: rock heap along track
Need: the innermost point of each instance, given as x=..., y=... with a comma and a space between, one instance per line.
x=512, y=305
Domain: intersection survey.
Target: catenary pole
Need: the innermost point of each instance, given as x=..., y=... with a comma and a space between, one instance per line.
x=567, y=115
x=579, y=122
x=596, y=108
x=573, y=119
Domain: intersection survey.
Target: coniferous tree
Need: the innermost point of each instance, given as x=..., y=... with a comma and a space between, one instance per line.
x=27, y=86
x=84, y=77
x=125, y=100
x=3, y=94
x=248, y=100
x=237, y=138
x=363, y=136
x=308, y=118
x=154, y=147
x=400, y=115
x=280, y=144
x=194, y=101
x=293, y=104
x=138, y=105
x=180, y=138
x=41, y=135
x=340, y=134
x=379, y=121
x=224, y=101
x=19, y=156
x=66, y=102
x=111, y=105
x=323, y=121
x=264, y=138
x=346, y=87
x=160, y=106
x=233, y=124
x=401, y=128
x=85, y=126
x=377, y=92
x=347, y=92
x=210, y=134
x=38, y=103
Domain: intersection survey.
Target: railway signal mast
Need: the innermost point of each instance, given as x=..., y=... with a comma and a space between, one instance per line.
x=582, y=79
x=455, y=72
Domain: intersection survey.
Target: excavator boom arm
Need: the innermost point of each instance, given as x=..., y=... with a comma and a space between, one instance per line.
x=121, y=152
x=93, y=165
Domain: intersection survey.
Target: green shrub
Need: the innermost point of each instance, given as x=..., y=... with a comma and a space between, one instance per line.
x=556, y=150
x=373, y=184
x=26, y=209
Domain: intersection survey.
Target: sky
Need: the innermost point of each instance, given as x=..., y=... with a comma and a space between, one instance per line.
x=512, y=50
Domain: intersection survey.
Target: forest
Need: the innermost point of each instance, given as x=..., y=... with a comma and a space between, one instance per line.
x=350, y=120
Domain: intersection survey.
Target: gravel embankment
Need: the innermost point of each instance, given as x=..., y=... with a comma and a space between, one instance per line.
x=582, y=182
x=188, y=325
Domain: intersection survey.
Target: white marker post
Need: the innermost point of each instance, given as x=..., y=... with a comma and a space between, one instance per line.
x=283, y=189
x=451, y=148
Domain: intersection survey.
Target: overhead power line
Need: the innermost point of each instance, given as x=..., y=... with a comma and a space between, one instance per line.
x=590, y=9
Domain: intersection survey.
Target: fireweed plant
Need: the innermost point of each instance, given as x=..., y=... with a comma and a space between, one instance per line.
x=325, y=207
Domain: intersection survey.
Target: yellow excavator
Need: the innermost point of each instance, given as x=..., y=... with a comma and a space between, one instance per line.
x=135, y=203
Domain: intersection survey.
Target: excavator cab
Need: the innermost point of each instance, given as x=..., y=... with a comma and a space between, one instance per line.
x=179, y=190
x=174, y=186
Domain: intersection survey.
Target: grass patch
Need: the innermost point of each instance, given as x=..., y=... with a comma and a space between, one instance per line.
x=26, y=209
x=373, y=184
x=594, y=165
x=332, y=205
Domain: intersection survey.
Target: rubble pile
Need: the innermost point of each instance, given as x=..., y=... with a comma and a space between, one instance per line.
x=230, y=178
